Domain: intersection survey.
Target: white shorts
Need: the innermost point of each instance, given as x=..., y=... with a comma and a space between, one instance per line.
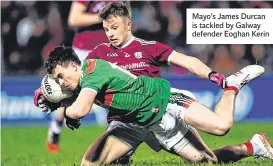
x=82, y=54
x=170, y=131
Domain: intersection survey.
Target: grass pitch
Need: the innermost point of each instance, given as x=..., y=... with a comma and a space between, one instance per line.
x=26, y=146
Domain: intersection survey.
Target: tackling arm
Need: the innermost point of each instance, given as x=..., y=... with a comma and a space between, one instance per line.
x=191, y=63
x=82, y=105
x=78, y=17
x=198, y=67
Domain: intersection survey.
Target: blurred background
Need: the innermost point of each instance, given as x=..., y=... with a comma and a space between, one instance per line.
x=31, y=29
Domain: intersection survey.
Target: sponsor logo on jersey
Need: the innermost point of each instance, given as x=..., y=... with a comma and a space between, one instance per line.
x=138, y=55
x=135, y=65
x=127, y=55
x=112, y=55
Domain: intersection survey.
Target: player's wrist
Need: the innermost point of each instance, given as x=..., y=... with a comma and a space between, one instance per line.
x=210, y=74
x=65, y=113
x=68, y=114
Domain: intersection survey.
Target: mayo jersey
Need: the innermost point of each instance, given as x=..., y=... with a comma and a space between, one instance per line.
x=133, y=98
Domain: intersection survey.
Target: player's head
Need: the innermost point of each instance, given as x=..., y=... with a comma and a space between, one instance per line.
x=116, y=21
x=65, y=67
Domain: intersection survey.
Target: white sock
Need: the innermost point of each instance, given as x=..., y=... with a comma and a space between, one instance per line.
x=55, y=127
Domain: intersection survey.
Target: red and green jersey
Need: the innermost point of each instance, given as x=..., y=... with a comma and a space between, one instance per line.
x=120, y=91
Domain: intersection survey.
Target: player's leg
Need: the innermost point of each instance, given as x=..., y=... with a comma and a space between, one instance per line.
x=150, y=138
x=185, y=140
x=259, y=145
x=196, y=149
x=152, y=141
x=221, y=120
x=54, y=132
x=193, y=149
x=94, y=151
x=116, y=145
x=175, y=135
x=104, y=150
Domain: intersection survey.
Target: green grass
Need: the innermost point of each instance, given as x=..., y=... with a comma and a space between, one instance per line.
x=25, y=146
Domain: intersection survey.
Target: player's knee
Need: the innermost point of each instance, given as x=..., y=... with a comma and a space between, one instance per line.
x=108, y=161
x=196, y=159
x=85, y=162
x=223, y=128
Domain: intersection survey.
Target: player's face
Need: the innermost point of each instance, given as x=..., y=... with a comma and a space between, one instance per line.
x=67, y=76
x=117, y=29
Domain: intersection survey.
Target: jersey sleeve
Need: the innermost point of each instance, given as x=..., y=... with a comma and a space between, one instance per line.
x=93, y=78
x=92, y=55
x=160, y=52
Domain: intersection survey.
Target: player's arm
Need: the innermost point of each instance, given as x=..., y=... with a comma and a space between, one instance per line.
x=191, y=63
x=82, y=105
x=78, y=17
x=197, y=67
x=91, y=83
x=163, y=53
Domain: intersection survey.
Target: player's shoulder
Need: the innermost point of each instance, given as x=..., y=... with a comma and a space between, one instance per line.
x=102, y=46
x=91, y=64
x=88, y=66
x=150, y=45
x=144, y=42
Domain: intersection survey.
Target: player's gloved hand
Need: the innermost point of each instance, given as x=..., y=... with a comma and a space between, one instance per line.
x=218, y=78
x=71, y=123
x=37, y=95
x=40, y=101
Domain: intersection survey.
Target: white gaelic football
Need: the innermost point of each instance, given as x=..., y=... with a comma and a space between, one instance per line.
x=52, y=91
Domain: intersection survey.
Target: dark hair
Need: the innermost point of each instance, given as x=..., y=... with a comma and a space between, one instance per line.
x=115, y=9
x=61, y=56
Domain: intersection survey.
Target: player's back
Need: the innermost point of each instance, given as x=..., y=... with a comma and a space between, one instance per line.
x=122, y=92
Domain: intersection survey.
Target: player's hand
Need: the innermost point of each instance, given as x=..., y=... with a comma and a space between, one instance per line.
x=41, y=102
x=71, y=123
x=37, y=95
x=218, y=78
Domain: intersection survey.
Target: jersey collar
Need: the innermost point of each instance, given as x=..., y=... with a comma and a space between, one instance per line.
x=127, y=43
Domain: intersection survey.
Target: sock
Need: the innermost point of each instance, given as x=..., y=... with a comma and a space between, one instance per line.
x=56, y=126
x=249, y=147
x=232, y=88
x=252, y=148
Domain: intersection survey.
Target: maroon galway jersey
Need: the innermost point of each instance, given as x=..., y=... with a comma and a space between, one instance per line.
x=139, y=56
